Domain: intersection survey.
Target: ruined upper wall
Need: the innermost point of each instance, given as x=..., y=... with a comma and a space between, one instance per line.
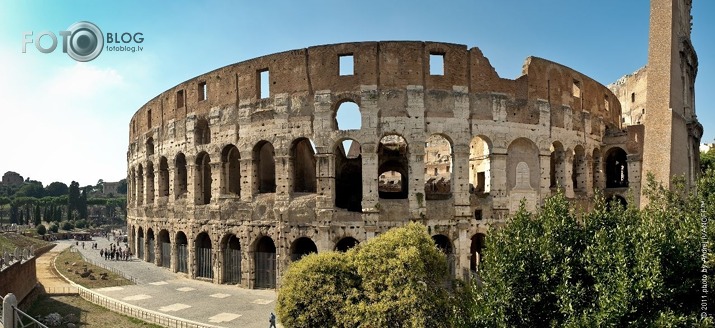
x=389, y=65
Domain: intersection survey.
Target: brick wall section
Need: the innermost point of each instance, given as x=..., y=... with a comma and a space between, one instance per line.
x=19, y=279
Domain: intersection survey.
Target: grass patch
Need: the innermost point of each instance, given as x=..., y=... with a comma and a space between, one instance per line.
x=85, y=313
x=10, y=240
x=71, y=265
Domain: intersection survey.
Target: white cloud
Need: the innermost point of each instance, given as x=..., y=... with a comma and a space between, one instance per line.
x=62, y=123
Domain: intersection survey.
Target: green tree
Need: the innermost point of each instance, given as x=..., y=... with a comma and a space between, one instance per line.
x=41, y=230
x=56, y=189
x=67, y=225
x=54, y=228
x=122, y=188
x=31, y=189
x=395, y=279
x=36, y=215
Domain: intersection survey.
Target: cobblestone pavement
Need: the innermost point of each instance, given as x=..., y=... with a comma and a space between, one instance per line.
x=163, y=291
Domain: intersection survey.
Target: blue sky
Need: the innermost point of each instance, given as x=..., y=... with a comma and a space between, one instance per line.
x=61, y=120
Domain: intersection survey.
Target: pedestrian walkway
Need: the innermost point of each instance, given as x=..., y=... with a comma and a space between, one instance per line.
x=160, y=290
x=46, y=275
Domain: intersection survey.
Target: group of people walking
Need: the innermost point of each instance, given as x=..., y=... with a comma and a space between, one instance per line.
x=116, y=253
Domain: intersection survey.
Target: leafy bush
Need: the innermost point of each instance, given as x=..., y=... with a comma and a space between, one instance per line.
x=54, y=228
x=67, y=226
x=41, y=230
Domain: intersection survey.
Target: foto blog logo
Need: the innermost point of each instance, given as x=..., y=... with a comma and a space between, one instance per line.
x=82, y=41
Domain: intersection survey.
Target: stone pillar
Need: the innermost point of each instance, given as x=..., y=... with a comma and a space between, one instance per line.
x=369, y=176
x=416, y=168
x=634, y=177
x=191, y=183
x=172, y=189
x=545, y=181
x=157, y=183
x=588, y=171
x=284, y=176
x=174, y=255
x=498, y=171
x=139, y=183
x=325, y=203
x=567, y=176
x=460, y=181
x=217, y=178
x=8, y=317
x=149, y=187
x=464, y=244
x=248, y=179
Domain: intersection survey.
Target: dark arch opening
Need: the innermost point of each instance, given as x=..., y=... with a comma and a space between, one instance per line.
x=265, y=261
x=303, y=157
x=302, y=247
x=392, y=157
x=165, y=248
x=203, y=179
x=163, y=177
x=476, y=251
x=616, y=168
x=231, y=259
x=150, y=246
x=180, y=179
x=204, y=256
x=348, y=176
x=346, y=243
x=265, y=167
x=230, y=160
x=182, y=252
x=438, y=168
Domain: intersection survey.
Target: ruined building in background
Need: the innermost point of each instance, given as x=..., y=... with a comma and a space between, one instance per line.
x=235, y=173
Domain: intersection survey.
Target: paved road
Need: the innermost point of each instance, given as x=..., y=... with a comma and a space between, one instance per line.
x=163, y=291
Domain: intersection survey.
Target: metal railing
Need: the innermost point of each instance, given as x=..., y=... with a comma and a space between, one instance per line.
x=12, y=317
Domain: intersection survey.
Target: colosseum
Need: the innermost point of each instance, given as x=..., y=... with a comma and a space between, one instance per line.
x=240, y=171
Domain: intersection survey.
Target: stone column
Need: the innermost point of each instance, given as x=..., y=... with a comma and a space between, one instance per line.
x=172, y=189
x=588, y=171
x=460, y=181
x=8, y=317
x=545, y=181
x=248, y=179
x=370, y=200
x=567, y=176
x=157, y=184
x=217, y=179
x=284, y=176
x=634, y=162
x=191, y=183
x=499, y=186
x=325, y=173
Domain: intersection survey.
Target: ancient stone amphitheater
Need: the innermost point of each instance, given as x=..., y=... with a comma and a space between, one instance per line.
x=237, y=172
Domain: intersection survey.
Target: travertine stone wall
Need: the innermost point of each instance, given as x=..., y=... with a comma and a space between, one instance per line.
x=210, y=157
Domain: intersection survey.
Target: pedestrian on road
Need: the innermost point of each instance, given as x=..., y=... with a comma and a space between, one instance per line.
x=272, y=320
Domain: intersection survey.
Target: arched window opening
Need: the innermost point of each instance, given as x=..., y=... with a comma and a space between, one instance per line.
x=163, y=177
x=180, y=178
x=202, y=132
x=230, y=163
x=303, y=158
x=615, y=200
x=182, y=252
x=150, y=146
x=265, y=261
x=204, y=256
x=348, y=176
x=445, y=245
x=150, y=183
x=438, y=161
x=476, y=251
x=302, y=247
x=165, y=248
x=202, y=182
x=616, y=168
x=393, y=180
x=523, y=172
x=346, y=243
x=231, y=259
x=479, y=166
x=265, y=167
x=348, y=116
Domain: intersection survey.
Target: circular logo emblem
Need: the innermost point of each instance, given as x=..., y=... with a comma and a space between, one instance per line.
x=85, y=42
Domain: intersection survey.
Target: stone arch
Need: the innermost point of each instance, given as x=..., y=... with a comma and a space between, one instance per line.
x=557, y=169
x=265, y=167
x=180, y=176
x=140, y=185
x=202, y=131
x=302, y=247
x=231, y=250
x=393, y=159
x=445, y=245
x=348, y=175
x=616, y=165
x=476, y=250
x=165, y=248
x=150, y=244
x=163, y=177
x=523, y=150
x=149, y=146
x=439, y=167
x=182, y=252
x=579, y=171
x=204, y=256
x=231, y=169
x=346, y=243
x=347, y=115
x=202, y=179
x=140, y=243
x=302, y=158
x=149, y=183
x=480, y=149
x=265, y=263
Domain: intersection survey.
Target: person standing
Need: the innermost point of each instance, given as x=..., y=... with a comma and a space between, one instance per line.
x=272, y=320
